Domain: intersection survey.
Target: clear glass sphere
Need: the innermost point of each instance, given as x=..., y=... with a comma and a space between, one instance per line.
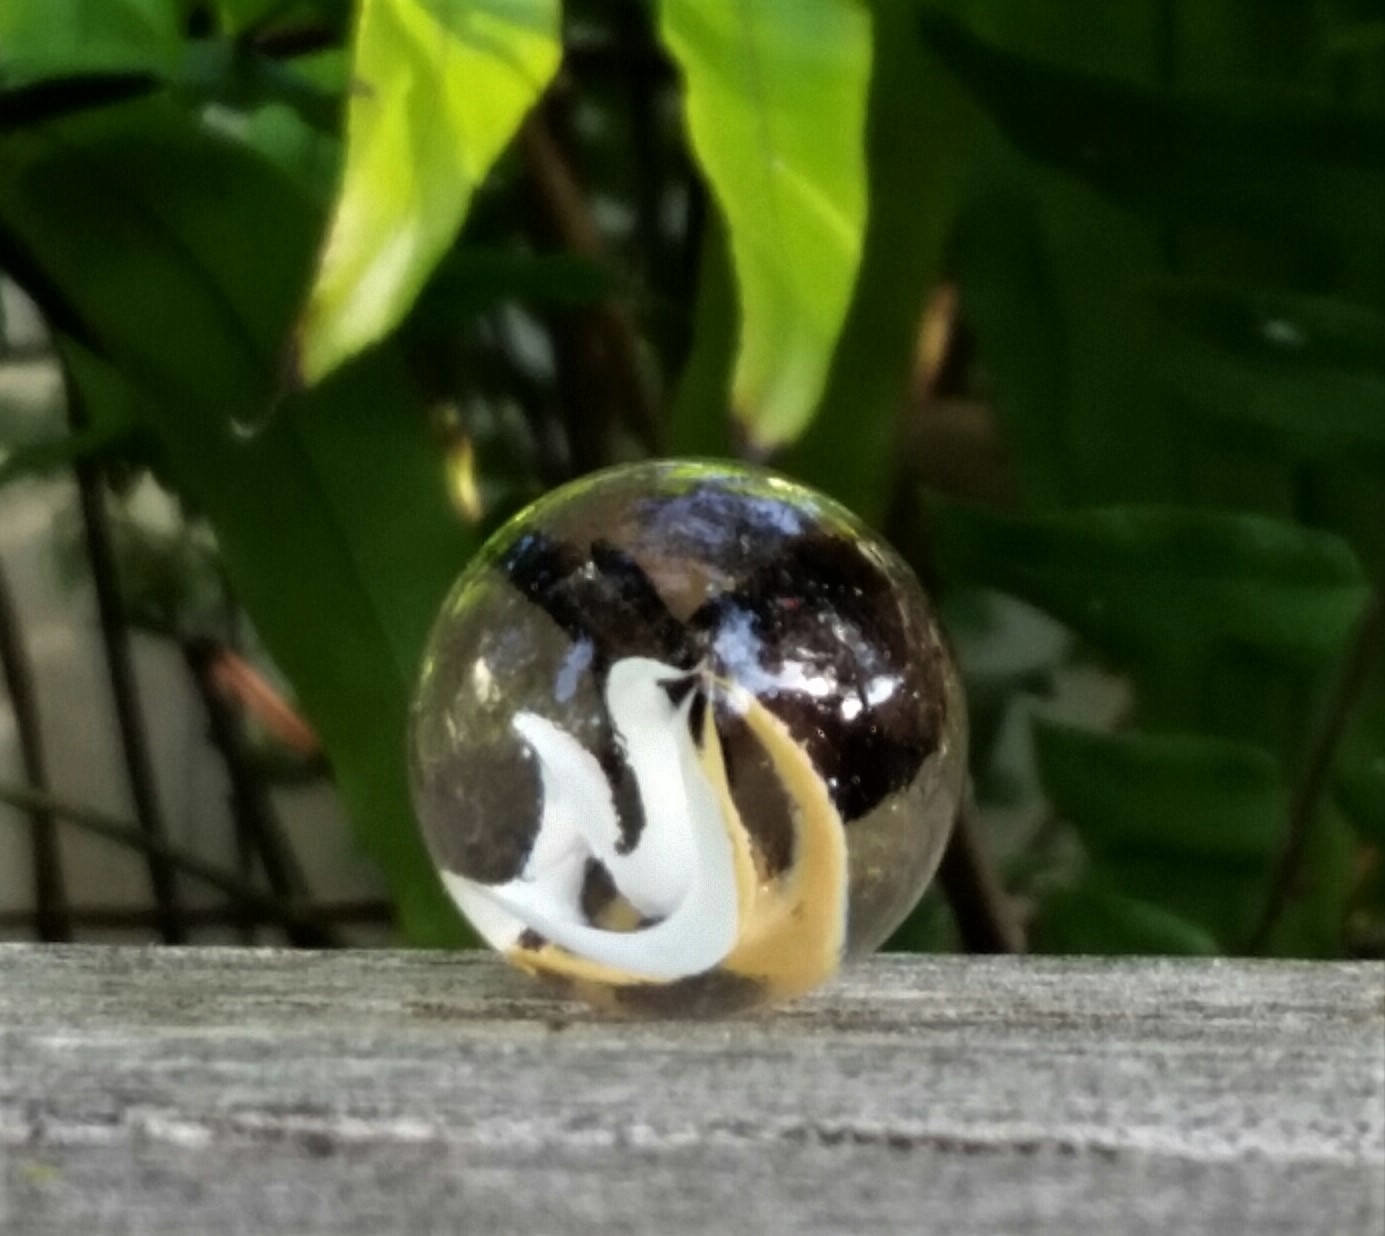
x=686, y=735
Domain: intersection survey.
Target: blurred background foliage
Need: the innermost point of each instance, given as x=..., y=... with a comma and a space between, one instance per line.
x=1083, y=305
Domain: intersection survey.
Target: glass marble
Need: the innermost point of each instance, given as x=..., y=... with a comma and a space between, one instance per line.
x=685, y=736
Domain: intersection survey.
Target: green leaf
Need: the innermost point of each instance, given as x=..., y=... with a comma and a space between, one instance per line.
x=1011, y=299
x=52, y=68
x=110, y=422
x=849, y=450
x=281, y=107
x=1092, y=919
x=236, y=77
x=43, y=458
x=1361, y=792
x=1311, y=370
x=181, y=255
x=471, y=280
x=930, y=928
x=1366, y=38
x=1312, y=923
x=1269, y=162
x=1168, y=584
x=197, y=302
x=245, y=16
x=1193, y=826
x=775, y=99
x=1199, y=796
x=308, y=155
x=1187, y=823
x=1360, y=771
x=42, y=39
x=440, y=88
x=236, y=16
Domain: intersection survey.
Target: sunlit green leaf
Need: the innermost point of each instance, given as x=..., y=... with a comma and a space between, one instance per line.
x=775, y=98
x=850, y=449
x=1167, y=582
x=181, y=255
x=438, y=90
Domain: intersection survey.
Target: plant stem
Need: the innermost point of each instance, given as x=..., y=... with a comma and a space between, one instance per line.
x=967, y=874
x=115, y=636
x=257, y=824
x=641, y=84
x=605, y=334
x=51, y=920
x=973, y=890
x=289, y=913
x=1366, y=645
x=684, y=275
x=246, y=924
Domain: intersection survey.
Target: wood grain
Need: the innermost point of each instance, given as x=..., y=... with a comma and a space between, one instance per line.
x=226, y=1090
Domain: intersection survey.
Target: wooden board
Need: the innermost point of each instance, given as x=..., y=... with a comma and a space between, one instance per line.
x=224, y=1090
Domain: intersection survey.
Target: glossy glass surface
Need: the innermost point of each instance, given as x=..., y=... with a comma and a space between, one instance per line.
x=685, y=736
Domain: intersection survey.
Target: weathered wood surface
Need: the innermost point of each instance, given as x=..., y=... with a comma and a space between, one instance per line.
x=206, y=1091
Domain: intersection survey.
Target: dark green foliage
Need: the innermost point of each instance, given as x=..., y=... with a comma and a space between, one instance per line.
x=1165, y=225
x=1187, y=824
x=182, y=257
x=1172, y=266
x=1149, y=584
